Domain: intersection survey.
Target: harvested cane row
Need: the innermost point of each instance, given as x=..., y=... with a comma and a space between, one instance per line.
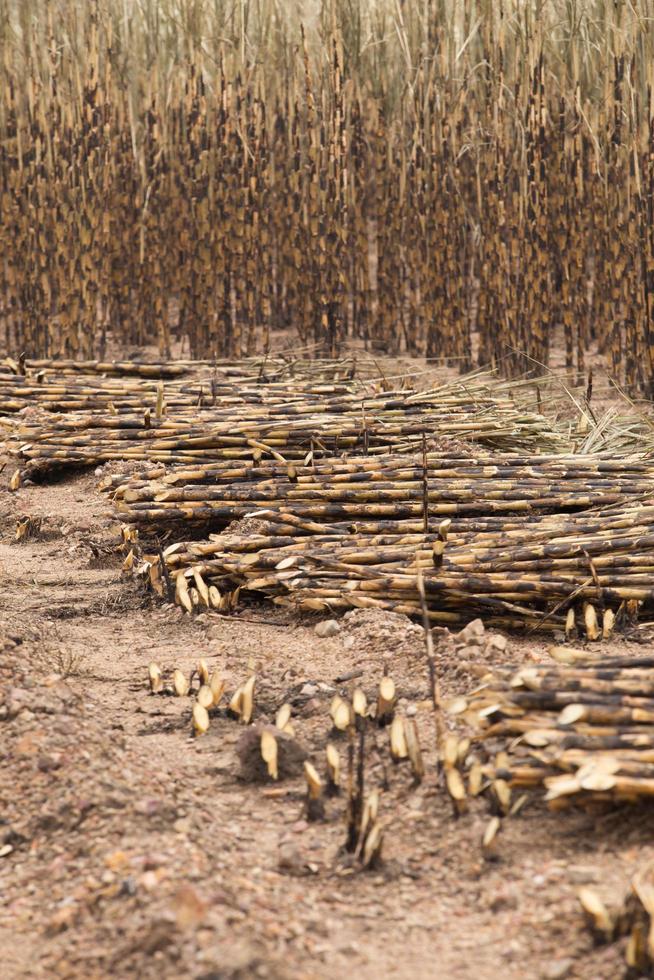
x=581, y=727
x=128, y=395
x=287, y=426
x=70, y=386
x=578, y=572
x=281, y=365
x=270, y=751
x=412, y=491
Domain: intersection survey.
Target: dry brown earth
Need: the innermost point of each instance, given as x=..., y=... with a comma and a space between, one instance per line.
x=130, y=849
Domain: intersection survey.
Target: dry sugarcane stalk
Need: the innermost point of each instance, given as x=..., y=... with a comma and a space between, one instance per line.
x=203, y=671
x=181, y=684
x=269, y=752
x=283, y=719
x=489, y=839
x=200, y=720
x=414, y=750
x=315, y=805
x=341, y=713
x=385, y=701
x=633, y=919
x=217, y=685
x=398, y=741
x=586, y=727
x=155, y=678
x=333, y=770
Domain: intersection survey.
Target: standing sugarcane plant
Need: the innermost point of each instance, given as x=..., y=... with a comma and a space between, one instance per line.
x=468, y=181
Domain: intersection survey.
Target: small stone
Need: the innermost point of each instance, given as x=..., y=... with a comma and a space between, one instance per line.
x=291, y=861
x=61, y=920
x=497, y=642
x=557, y=969
x=312, y=707
x=190, y=907
x=411, y=711
x=48, y=763
x=149, y=880
x=328, y=627
x=472, y=633
x=308, y=690
x=116, y=860
x=505, y=897
x=579, y=874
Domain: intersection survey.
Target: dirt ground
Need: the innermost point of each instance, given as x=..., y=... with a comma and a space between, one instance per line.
x=130, y=849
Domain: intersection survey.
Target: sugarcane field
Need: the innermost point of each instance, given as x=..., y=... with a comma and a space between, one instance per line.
x=326, y=489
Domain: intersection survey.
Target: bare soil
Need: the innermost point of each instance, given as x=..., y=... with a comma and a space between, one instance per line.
x=130, y=849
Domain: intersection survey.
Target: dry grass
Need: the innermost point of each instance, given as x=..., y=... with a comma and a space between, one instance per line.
x=53, y=658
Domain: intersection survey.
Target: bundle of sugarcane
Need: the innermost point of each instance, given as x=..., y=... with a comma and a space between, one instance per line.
x=60, y=393
x=267, y=366
x=144, y=369
x=573, y=571
x=288, y=428
x=411, y=490
x=582, y=727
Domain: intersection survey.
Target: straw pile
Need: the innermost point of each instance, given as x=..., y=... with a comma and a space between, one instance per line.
x=581, y=727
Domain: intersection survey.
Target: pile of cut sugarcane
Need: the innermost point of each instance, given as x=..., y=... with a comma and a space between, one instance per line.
x=135, y=396
x=287, y=421
x=264, y=367
x=133, y=387
x=391, y=494
x=576, y=571
x=581, y=727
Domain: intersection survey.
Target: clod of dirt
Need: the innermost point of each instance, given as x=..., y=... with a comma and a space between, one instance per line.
x=248, y=525
x=41, y=700
x=474, y=632
x=290, y=755
x=292, y=862
x=370, y=630
x=558, y=969
x=328, y=627
x=461, y=656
